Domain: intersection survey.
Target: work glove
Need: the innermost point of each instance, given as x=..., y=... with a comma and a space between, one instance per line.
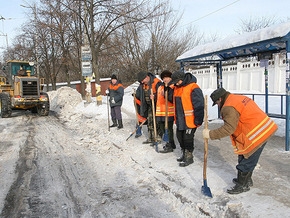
x=205, y=133
x=113, y=101
x=133, y=91
x=107, y=92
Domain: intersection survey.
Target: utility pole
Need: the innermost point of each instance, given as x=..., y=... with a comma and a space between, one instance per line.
x=3, y=33
x=86, y=56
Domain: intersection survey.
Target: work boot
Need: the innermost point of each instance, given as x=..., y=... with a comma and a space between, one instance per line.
x=158, y=139
x=250, y=180
x=188, y=158
x=120, y=124
x=167, y=148
x=181, y=158
x=138, y=132
x=242, y=184
x=150, y=140
x=114, y=123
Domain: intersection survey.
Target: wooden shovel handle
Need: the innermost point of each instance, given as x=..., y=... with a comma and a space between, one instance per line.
x=154, y=118
x=166, y=108
x=205, y=140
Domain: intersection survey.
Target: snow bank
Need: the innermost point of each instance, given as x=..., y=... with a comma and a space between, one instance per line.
x=64, y=100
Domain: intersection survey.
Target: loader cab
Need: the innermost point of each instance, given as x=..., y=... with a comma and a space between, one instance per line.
x=18, y=68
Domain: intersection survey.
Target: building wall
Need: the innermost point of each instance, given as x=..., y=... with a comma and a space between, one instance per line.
x=104, y=83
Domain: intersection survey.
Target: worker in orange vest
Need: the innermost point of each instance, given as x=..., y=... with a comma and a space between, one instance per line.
x=249, y=129
x=116, y=93
x=148, y=83
x=188, y=103
x=165, y=110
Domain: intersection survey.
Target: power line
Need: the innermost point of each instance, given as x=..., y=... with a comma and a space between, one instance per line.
x=211, y=13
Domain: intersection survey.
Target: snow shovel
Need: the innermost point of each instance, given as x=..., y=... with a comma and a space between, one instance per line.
x=139, y=126
x=154, y=122
x=165, y=135
x=108, y=109
x=205, y=189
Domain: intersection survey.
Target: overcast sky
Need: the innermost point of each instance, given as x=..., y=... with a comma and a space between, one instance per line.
x=220, y=17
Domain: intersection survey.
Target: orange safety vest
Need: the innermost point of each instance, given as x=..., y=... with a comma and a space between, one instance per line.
x=161, y=106
x=140, y=118
x=153, y=85
x=184, y=92
x=115, y=87
x=146, y=87
x=254, y=127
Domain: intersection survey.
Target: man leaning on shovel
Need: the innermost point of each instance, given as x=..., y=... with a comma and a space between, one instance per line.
x=148, y=83
x=165, y=111
x=249, y=129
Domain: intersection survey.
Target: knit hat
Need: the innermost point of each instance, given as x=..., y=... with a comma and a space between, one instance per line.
x=141, y=76
x=176, y=76
x=217, y=94
x=165, y=73
x=113, y=76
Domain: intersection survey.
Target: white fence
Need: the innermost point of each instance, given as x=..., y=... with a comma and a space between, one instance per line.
x=246, y=76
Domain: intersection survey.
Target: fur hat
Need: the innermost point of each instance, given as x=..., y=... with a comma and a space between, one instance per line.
x=176, y=76
x=217, y=94
x=165, y=73
x=113, y=76
x=141, y=76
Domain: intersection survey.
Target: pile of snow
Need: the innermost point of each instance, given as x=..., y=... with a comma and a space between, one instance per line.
x=64, y=100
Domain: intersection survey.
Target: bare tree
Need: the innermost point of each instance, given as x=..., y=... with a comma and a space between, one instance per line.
x=255, y=23
x=61, y=42
x=125, y=36
x=154, y=45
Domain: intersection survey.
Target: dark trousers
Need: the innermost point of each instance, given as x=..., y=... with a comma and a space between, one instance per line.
x=150, y=124
x=116, y=113
x=249, y=164
x=186, y=138
x=161, y=130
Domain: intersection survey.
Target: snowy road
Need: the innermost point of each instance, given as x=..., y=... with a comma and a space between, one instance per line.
x=47, y=171
x=59, y=174
x=69, y=165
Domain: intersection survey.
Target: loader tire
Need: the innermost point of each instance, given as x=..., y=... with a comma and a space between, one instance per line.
x=5, y=105
x=34, y=110
x=43, y=109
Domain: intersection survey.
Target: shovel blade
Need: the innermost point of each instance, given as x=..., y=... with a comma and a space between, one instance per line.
x=205, y=189
x=165, y=136
x=156, y=146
